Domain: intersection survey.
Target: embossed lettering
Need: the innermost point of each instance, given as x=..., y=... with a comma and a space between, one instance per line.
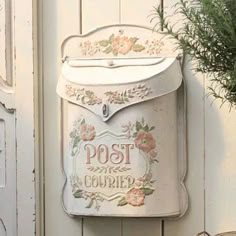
x=127, y=148
x=103, y=153
x=90, y=154
x=116, y=156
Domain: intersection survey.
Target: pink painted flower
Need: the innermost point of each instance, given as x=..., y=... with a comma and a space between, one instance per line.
x=145, y=141
x=87, y=132
x=135, y=197
x=122, y=45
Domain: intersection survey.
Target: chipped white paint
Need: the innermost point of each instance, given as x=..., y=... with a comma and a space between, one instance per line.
x=17, y=199
x=8, y=172
x=8, y=186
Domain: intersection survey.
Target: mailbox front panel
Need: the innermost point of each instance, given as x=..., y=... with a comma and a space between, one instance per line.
x=127, y=166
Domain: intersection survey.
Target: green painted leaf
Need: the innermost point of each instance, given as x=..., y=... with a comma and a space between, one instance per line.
x=152, y=128
x=78, y=194
x=146, y=128
x=108, y=50
x=122, y=202
x=76, y=141
x=83, y=121
x=90, y=204
x=148, y=191
x=138, y=47
x=111, y=38
x=138, y=126
x=104, y=43
x=134, y=39
x=89, y=93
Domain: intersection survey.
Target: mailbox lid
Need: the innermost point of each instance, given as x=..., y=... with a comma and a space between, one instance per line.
x=127, y=82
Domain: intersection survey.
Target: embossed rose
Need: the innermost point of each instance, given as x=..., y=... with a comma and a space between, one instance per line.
x=145, y=141
x=87, y=132
x=135, y=197
x=122, y=45
x=87, y=48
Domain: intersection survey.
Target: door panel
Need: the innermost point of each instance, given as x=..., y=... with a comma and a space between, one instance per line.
x=8, y=225
x=7, y=173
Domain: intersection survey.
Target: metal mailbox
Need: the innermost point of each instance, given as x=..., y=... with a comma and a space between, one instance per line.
x=123, y=124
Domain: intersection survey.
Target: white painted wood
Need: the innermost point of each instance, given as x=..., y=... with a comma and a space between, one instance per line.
x=6, y=48
x=219, y=141
x=220, y=166
x=60, y=19
x=140, y=227
x=17, y=213
x=99, y=13
x=138, y=11
x=8, y=216
x=24, y=74
x=102, y=226
x=3, y=39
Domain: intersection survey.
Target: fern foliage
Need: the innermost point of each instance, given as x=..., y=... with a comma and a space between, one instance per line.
x=208, y=35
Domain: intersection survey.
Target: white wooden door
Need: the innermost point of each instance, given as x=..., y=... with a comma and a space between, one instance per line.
x=17, y=197
x=211, y=139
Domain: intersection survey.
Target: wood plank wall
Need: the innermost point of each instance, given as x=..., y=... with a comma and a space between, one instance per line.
x=211, y=179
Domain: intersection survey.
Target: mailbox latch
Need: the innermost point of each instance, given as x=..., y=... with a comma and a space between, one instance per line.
x=105, y=110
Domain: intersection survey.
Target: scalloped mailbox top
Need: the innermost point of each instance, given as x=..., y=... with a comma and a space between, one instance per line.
x=119, y=41
x=117, y=66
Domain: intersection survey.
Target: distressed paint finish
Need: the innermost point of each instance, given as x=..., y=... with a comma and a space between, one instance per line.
x=55, y=30
x=6, y=42
x=24, y=78
x=8, y=186
x=3, y=39
x=7, y=173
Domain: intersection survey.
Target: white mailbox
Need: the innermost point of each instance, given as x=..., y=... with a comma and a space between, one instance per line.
x=123, y=124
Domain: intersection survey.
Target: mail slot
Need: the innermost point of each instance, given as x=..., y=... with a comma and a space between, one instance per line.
x=123, y=124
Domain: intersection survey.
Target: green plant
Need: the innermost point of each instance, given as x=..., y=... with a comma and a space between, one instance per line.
x=208, y=35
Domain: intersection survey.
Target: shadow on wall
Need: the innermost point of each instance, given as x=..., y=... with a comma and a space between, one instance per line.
x=220, y=154
x=2, y=228
x=193, y=221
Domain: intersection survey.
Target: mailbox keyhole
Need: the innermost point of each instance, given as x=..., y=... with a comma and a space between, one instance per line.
x=105, y=110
